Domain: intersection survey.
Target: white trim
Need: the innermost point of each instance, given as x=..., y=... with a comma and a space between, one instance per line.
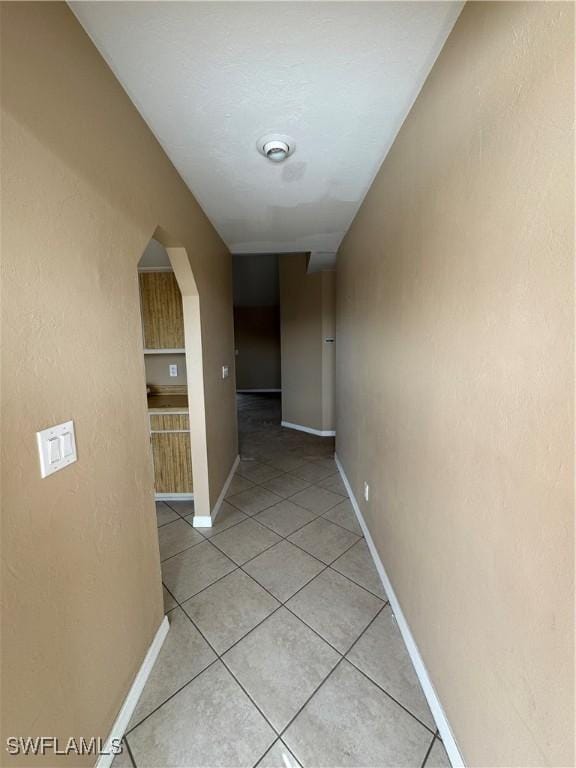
x=319, y=432
x=168, y=411
x=434, y=703
x=176, y=351
x=255, y=391
x=202, y=521
x=127, y=710
x=174, y=496
x=206, y=521
x=168, y=431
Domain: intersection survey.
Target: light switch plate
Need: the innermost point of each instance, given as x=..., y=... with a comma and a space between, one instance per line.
x=225, y=371
x=173, y=369
x=56, y=447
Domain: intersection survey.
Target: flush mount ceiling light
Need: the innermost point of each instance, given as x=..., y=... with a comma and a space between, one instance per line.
x=276, y=147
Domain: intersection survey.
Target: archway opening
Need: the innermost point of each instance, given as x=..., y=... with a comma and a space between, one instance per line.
x=171, y=328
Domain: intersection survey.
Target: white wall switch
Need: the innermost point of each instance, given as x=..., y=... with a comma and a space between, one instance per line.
x=68, y=443
x=173, y=369
x=54, y=452
x=225, y=372
x=366, y=492
x=56, y=447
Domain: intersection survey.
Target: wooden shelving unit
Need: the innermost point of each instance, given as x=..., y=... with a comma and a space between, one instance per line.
x=163, y=331
x=162, y=314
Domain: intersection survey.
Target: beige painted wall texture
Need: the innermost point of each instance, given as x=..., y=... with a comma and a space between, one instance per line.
x=455, y=366
x=306, y=314
x=84, y=186
x=158, y=369
x=257, y=342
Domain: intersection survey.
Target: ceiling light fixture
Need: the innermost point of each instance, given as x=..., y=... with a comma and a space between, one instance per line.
x=276, y=147
x=276, y=151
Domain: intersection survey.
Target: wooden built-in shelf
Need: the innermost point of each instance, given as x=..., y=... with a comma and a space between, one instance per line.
x=163, y=332
x=162, y=314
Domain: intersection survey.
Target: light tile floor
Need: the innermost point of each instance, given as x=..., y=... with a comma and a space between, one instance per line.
x=283, y=651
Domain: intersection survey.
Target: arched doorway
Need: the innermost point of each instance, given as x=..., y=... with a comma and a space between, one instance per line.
x=178, y=433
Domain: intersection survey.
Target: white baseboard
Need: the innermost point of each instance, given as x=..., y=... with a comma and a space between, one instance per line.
x=255, y=391
x=202, y=521
x=436, y=708
x=129, y=705
x=318, y=432
x=206, y=521
x=174, y=496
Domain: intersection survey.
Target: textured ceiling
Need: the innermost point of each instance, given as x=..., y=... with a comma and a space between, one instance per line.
x=210, y=78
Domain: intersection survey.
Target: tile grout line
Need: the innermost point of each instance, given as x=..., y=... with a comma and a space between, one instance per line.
x=169, y=522
x=228, y=573
x=291, y=496
x=274, y=729
x=290, y=499
x=342, y=658
x=283, y=538
x=283, y=604
x=408, y=711
x=366, y=628
x=316, y=518
x=426, y=756
x=287, y=538
x=386, y=602
x=196, y=543
x=266, y=509
x=268, y=750
x=325, y=566
x=130, y=755
x=344, y=654
x=219, y=657
x=331, y=672
x=282, y=498
x=234, y=525
x=168, y=698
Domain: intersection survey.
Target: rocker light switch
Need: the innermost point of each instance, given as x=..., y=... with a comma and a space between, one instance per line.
x=54, y=454
x=67, y=441
x=57, y=448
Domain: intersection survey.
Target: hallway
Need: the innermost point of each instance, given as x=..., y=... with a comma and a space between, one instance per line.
x=368, y=208
x=282, y=650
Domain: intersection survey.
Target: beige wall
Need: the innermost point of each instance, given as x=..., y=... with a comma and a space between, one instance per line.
x=257, y=343
x=85, y=185
x=306, y=315
x=158, y=371
x=455, y=378
x=328, y=331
